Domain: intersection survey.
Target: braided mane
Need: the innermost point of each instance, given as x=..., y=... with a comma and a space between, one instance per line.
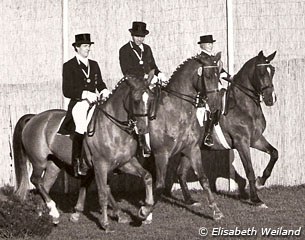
x=180, y=67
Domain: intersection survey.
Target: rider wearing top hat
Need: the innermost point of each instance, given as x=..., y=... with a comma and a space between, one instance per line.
x=83, y=84
x=206, y=45
x=136, y=58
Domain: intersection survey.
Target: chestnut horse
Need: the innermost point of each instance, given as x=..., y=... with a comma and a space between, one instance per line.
x=108, y=146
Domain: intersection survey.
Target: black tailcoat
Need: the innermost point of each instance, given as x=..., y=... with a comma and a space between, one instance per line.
x=130, y=63
x=73, y=85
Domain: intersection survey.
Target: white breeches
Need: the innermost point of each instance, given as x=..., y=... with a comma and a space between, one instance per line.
x=81, y=116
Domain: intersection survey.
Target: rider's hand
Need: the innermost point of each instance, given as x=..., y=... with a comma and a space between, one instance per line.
x=163, y=79
x=105, y=93
x=90, y=96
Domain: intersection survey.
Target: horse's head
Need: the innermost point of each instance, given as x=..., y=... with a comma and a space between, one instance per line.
x=263, y=78
x=139, y=99
x=208, y=86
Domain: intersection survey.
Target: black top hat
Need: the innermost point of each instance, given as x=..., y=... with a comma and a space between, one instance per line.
x=83, y=38
x=139, y=29
x=206, y=39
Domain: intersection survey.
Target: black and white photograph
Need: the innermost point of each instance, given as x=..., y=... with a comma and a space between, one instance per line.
x=152, y=119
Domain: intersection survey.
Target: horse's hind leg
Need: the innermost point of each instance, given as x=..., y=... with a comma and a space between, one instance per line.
x=182, y=171
x=263, y=145
x=43, y=179
x=133, y=167
x=194, y=155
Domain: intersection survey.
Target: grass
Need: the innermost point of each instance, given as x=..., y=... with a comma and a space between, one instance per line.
x=173, y=220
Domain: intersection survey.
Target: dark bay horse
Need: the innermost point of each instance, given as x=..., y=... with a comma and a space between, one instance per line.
x=176, y=128
x=108, y=146
x=244, y=123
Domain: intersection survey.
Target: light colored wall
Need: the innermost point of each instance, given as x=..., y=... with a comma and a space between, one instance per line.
x=30, y=66
x=276, y=25
x=32, y=50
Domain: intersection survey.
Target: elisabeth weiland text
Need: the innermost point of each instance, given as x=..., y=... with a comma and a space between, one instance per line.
x=264, y=232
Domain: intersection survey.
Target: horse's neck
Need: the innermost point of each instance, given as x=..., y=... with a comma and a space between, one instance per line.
x=245, y=75
x=182, y=80
x=115, y=104
x=244, y=91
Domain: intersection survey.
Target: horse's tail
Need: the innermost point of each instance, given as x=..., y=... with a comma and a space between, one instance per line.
x=20, y=158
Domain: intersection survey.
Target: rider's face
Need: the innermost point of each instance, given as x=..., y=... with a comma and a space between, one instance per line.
x=84, y=50
x=207, y=46
x=138, y=40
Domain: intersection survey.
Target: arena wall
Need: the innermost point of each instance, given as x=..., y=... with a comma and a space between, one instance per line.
x=34, y=39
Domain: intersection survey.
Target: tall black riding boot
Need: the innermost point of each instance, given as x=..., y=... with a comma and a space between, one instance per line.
x=78, y=164
x=208, y=140
x=143, y=145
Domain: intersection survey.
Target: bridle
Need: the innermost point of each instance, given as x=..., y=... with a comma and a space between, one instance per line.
x=254, y=94
x=202, y=92
x=128, y=125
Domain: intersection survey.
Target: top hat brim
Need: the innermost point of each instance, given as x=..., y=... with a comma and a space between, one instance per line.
x=206, y=42
x=138, y=33
x=82, y=42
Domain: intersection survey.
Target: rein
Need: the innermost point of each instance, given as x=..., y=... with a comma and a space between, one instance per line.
x=192, y=100
x=127, y=126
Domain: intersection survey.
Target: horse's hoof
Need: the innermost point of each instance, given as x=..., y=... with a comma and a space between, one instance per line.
x=258, y=184
x=217, y=216
x=123, y=219
x=75, y=217
x=148, y=220
x=55, y=221
x=196, y=204
x=192, y=203
x=143, y=213
x=262, y=206
x=107, y=228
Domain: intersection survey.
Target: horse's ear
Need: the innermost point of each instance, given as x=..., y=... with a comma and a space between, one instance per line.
x=271, y=56
x=260, y=54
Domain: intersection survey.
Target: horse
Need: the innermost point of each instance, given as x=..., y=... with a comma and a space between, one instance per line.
x=176, y=128
x=244, y=123
x=108, y=145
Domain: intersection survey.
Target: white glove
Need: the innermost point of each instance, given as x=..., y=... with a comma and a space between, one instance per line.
x=154, y=80
x=162, y=77
x=105, y=93
x=90, y=96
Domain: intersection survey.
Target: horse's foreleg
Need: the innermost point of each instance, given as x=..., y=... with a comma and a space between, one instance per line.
x=263, y=145
x=244, y=153
x=194, y=155
x=183, y=168
x=101, y=172
x=133, y=167
x=161, y=162
x=43, y=183
x=121, y=217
